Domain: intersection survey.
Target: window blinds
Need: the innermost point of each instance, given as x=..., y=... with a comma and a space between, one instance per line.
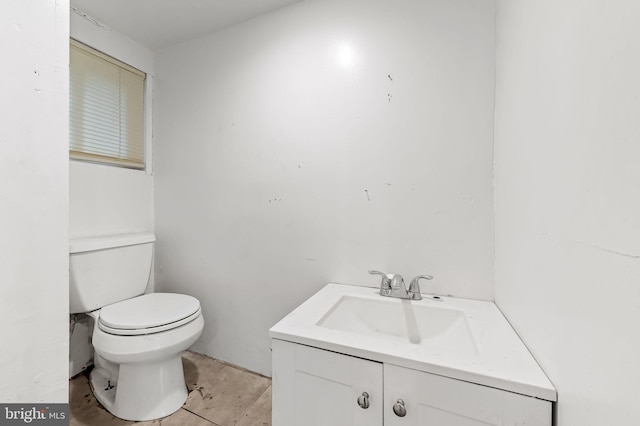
x=106, y=109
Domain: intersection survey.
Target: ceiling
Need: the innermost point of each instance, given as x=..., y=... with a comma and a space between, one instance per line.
x=161, y=23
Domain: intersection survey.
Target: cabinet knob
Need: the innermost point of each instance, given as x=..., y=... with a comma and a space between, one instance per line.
x=399, y=408
x=363, y=400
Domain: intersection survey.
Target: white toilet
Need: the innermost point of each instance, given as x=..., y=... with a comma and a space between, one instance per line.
x=138, y=338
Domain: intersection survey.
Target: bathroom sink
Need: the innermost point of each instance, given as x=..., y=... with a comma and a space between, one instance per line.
x=468, y=340
x=425, y=324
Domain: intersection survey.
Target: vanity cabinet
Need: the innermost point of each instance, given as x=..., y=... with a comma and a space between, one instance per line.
x=316, y=387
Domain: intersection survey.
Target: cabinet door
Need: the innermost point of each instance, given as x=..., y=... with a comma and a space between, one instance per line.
x=313, y=387
x=432, y=400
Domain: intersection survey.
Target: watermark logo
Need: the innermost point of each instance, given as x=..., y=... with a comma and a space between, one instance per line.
x=37, y=414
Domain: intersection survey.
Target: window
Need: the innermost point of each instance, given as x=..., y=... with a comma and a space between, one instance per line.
x=106, y=109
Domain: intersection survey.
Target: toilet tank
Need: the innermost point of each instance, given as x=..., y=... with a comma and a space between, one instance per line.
x=108, y=269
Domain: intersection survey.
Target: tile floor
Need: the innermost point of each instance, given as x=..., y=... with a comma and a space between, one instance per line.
x=219, y=395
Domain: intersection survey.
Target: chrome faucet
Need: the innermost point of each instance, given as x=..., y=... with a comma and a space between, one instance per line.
x=394, y=286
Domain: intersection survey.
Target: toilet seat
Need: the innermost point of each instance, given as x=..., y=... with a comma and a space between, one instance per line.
x=148, y=314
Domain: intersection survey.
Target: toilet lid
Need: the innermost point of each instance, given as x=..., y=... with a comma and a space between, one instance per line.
x=154, y=310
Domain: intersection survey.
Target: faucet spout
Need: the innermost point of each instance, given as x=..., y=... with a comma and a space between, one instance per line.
x=398, y=289
x=397, y=281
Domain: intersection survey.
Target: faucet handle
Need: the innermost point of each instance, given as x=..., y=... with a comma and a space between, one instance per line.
x=414, y=286
x=386, y=281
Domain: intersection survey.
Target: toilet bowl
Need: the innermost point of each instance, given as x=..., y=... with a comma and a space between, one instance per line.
x=137, y=338
x=139, y=373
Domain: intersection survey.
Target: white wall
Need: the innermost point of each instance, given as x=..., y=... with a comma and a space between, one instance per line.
x=109, y=200
x=106, y=199
x=568, y=198
x=34, y=301
x=317, y=142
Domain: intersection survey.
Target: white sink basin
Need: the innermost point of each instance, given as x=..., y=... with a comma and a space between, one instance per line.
x=462, y=339
x=428, y=325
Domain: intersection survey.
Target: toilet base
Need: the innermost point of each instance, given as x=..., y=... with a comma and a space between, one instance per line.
x=137, y=392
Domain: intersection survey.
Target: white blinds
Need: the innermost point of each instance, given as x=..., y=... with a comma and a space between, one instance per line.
x=106, y=109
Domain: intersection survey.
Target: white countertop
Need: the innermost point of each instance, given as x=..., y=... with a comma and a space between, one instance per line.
x=500, y=360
